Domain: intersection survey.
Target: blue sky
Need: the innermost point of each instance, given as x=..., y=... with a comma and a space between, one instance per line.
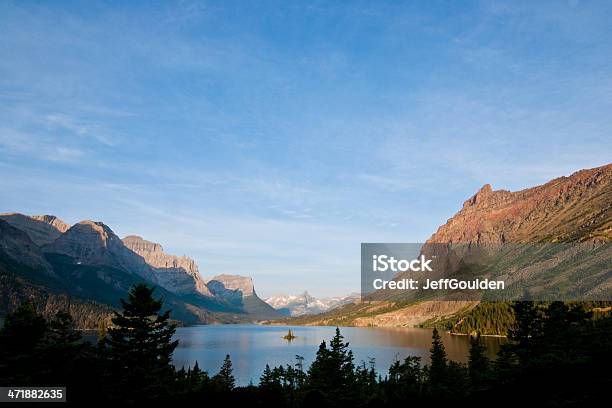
x=271, y=138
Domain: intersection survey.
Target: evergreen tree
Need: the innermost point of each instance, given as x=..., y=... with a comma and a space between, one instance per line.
x=505, y=364
x=62, y=332
x=437, y=369
x=20, y=340
x=526, y=330
x=342, y=359
x=61, y=349
x=300, y=375
x=265, y=381
x=365, y=380
x=224, y=380
x=478, y=363
x=140, y=346
x=406, y=378
x=456, y=381
x=333, y=371
x=199, y=380
x=23, y=330
x=280, y=376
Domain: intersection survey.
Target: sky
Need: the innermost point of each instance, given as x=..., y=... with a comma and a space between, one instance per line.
x=271, y=138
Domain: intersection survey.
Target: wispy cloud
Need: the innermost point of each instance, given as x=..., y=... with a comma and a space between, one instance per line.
x=272, y=140
x=23, y=144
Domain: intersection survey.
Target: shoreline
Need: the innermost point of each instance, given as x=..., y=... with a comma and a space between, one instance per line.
x=482, y=335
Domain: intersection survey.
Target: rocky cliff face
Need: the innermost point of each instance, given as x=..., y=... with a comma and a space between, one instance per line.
x=240, y=290
x=177, y=274
x=230, y=285
x=42, y=229
x=17, y=247
x=88, y=261
x=574, y=208
x=94, y=243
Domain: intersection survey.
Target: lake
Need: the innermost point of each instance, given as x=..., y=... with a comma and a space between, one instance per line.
x=251, y=347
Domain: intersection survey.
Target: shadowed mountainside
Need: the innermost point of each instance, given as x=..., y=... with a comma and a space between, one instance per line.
x=240, y=291
x=42, y=229
x=90, y=268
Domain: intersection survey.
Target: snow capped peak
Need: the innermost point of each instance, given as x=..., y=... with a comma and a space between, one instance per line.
x=297, y=305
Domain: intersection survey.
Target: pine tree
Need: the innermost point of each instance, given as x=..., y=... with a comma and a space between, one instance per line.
x=342, y=359
x=526, y=330
x=61, y=348
x=62, y=332
x=320, y=368
x=437, y=369
x=20, y=341
x=266, y=381
x=300, y=375
x=23, y=329
x=140, y=346
x=478, y=363
x=333, y=371
x=224, y=379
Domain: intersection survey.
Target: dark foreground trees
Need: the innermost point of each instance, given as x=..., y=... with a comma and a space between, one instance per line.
x=557, y=356
x=139, y=347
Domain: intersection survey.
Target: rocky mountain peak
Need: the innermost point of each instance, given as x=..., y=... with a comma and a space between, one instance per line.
x=17, y=245
x=138, y=244
x=307, y=297
x=576, y=207
x=42, y=229
x=177, y=274
x=486, y=197
x=480, y=196
x=95, y=230
x=53, y=221
x=234, y=283
x=95, y=236
x=94, y=243
x=239, y=290
x=304, y=303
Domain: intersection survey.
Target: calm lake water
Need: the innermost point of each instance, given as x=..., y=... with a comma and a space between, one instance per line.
x=251, y=347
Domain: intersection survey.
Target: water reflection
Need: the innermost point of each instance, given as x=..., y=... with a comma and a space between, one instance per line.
x=251, y=347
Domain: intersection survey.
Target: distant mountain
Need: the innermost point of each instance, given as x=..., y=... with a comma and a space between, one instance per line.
x=16, y=246
x=240, y=291
x=177, y=274
x=88, y=267
x=572, y=209
x=42, y=229
x=305, y=304
x=94, y=243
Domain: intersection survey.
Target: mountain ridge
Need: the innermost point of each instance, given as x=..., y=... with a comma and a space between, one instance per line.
x=88, y=261
x=240, y=290
x=572, y=208
x=42, y=229
x=306, y=304
x=565, y=209
x=178, y=274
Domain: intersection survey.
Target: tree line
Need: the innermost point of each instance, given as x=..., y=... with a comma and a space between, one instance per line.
x=557, y=355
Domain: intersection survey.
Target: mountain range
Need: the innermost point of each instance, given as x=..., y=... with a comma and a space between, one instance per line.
x=305, y=304
x=576, y=210
x=88, y=267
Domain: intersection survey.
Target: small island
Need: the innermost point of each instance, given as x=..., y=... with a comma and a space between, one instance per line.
x=289, y=336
